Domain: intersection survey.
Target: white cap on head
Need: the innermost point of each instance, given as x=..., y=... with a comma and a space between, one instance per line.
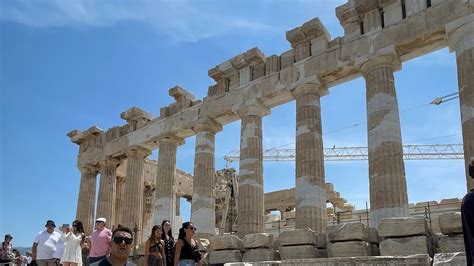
x=101, y=219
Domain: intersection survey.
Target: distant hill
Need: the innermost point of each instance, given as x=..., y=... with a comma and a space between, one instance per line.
x=23, y=250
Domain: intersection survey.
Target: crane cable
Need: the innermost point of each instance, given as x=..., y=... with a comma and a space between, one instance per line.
x=435, y=101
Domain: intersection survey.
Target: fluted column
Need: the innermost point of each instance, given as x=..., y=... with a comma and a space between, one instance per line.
x=119, y=189
x=461, y=40
x=203, y=201
x=310, y=193
x=86, y=199
x=132, y=200
x=107, y=189
x=165, y=196
x=388, y=187
x=250, y=198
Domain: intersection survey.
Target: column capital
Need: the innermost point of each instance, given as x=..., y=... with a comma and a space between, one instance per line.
x=208, y=125
x=88, y=168
x=460, y=34
x=253, y=107
x=385, y=57
x=137, y=151
x=172, y=139
x=109, y=161
x=310, y=88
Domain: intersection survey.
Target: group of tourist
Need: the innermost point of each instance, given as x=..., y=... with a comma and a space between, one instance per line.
x=71, y=247
x=162, y=250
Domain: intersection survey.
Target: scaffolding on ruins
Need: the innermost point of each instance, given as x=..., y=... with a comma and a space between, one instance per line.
x=410, y=152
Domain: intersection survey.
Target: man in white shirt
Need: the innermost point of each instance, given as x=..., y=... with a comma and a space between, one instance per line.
x=44, y=245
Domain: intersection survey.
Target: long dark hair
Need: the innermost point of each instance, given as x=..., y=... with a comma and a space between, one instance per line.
x=153, y=230
x=170, y=232
x=471, y=169
x=182, y=233
x=80, y=229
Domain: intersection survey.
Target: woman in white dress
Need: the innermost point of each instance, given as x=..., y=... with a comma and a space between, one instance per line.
x=73, y=240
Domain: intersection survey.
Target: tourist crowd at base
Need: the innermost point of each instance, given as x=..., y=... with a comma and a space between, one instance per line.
x=71, y=247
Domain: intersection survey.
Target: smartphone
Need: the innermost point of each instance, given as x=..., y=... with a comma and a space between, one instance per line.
x=65, y=225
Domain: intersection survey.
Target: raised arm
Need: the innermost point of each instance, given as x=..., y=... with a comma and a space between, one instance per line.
x=177, y=251
x=147, y=252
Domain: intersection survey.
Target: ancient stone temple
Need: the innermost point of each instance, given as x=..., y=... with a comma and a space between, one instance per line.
x=379, y=36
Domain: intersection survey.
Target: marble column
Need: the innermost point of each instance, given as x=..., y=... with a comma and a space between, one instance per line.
x=310, y=193
x=461, y=40
x=388, y=187
x=250, y=199
x=119, y=189
x=107, y=189
x=86, y=199
x=165, y=196
x=203, y=201
x=132, y=200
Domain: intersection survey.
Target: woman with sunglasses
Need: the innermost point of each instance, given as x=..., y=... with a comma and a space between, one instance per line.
x=73, y=240
x=154, y=248
x=167, y=237
x=187, y=250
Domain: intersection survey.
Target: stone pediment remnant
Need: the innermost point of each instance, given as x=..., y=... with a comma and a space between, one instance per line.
x=88, y=139
x=237, y=71
x=311, y=38
x=183, y=100
x=136, y=117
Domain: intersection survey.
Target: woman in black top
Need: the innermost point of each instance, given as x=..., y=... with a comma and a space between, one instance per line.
x=187, y=251
x=154, y=248
x=167, y=237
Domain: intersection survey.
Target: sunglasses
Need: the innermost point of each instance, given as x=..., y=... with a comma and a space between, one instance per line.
x=74, y=225
x=192, y=228
x=120, y=240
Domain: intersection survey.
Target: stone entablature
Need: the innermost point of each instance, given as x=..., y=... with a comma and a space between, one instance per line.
x=410, y=37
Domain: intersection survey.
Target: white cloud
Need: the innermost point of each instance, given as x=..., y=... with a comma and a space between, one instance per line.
x=181, y=20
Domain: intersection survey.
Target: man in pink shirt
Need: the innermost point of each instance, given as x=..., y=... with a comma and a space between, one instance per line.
x=99, y=242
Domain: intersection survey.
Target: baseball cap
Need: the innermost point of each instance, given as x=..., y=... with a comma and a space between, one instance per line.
x=8, y=236
x=51, y=222
x=101, y=219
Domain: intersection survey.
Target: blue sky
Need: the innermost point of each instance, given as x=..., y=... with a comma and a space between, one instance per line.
x=73, y=64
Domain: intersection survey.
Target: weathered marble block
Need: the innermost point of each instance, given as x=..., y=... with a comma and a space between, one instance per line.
x=418, y=260
x=450, y=223
x=450, y=259
x=260, y=254
x=298, y=252
x=256, y=263
x=404, y=246
x=224, y=256
x=451, y=244
x=226, y=242
x=258, y=240
x=403, y=226
x=373, y=236
x=302, y=237
x=349, y=249
x=347, y=232
x=203, y=243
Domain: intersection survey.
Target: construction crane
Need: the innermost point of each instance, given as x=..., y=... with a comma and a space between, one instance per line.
x=410, y=152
